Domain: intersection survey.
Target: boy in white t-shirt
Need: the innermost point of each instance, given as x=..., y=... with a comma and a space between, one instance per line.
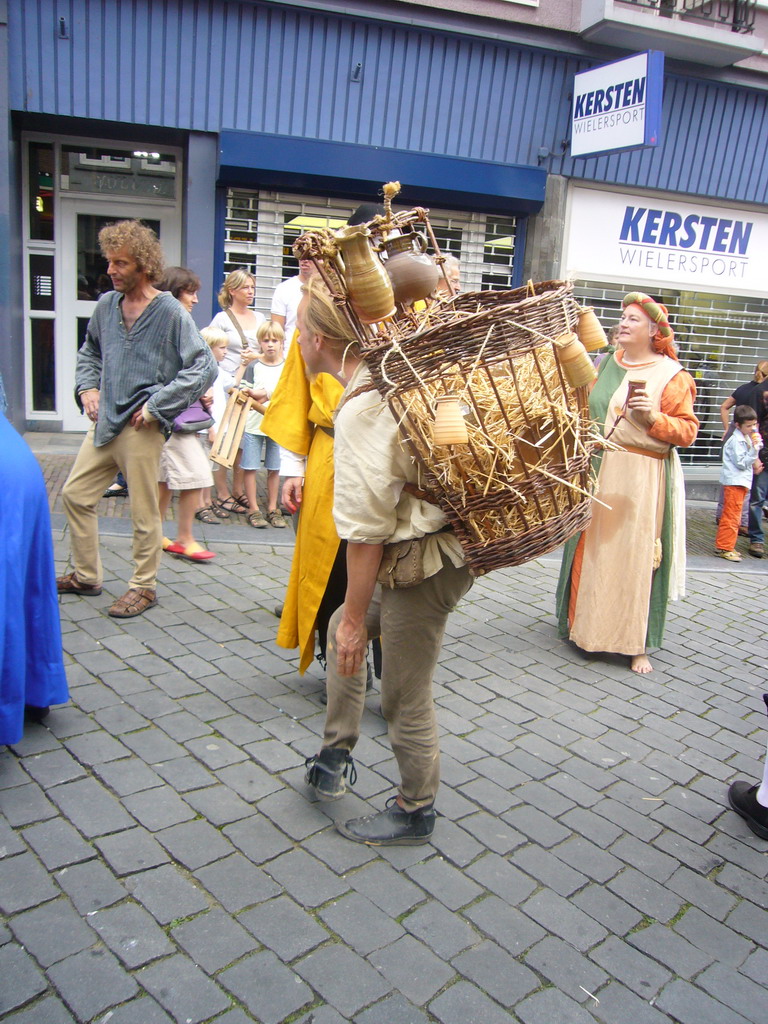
x=263, y=375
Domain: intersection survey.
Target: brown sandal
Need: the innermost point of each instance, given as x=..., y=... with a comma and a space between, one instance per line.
x=133, y=603
x=221, y=508
x=208, y=516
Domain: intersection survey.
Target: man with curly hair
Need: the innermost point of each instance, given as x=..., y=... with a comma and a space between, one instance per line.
x=143, y=362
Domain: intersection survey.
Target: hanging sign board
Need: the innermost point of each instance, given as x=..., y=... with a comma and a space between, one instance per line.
x=649, y=242
x=618, y=106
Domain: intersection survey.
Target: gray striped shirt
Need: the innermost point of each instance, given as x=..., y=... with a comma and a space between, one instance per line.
x=162, y=361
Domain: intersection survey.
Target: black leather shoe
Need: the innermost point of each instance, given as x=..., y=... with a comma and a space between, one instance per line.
x=391, y=827
x=327, y=772
x=743, y=799
x=34, y=713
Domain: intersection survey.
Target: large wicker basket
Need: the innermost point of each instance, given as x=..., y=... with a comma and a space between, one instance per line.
x=520, y=485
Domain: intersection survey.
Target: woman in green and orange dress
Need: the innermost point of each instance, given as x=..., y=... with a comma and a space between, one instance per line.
x=618, y=575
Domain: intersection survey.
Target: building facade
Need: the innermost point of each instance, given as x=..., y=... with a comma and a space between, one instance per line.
x=231, y=125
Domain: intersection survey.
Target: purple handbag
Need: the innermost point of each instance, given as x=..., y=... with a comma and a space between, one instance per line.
x=192, y=419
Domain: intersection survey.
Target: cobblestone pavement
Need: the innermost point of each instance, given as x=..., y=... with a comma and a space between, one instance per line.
x=160, y=859
x=56, y=453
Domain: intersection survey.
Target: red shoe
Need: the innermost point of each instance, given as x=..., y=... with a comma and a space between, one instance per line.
x=193, y=552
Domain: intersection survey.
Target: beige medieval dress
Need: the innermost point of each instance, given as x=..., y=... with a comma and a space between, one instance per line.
x=617, y=576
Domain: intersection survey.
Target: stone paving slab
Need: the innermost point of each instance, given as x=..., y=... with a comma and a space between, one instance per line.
x=160, y=859
x=56, y=454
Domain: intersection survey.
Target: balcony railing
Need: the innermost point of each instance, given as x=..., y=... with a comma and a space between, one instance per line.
x=736, y=15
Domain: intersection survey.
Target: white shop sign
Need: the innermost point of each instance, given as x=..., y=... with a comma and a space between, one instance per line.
x=643, y=241
x=618, y=106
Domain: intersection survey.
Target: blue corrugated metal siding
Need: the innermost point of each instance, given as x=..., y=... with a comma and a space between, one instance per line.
x=213, y=66
x=714, y=143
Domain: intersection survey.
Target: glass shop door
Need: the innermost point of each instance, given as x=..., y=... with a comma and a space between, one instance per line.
x=82, y=278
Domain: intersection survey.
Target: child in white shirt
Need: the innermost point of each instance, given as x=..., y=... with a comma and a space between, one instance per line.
x=218, y=343
x=263, y=375
x=739, y=456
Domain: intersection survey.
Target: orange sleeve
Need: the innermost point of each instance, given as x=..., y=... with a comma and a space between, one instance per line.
x=677, y=424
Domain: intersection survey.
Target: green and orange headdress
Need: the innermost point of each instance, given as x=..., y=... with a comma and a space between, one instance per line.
x=663, y=340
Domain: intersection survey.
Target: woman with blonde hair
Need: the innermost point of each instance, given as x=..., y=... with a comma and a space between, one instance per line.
x=240, y=323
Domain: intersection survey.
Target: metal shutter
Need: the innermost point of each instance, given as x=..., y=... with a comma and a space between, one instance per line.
x=261, y=226
x=720, y=339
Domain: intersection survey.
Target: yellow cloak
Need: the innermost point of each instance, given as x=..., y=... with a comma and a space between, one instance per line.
x=298, y=417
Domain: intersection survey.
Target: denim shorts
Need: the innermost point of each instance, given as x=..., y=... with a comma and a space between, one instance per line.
x=253, y=445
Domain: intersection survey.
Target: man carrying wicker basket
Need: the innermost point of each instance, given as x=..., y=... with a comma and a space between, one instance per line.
x=379, y=512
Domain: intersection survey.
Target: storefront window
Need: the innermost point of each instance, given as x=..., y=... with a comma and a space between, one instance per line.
x=498, y=252
x=41, y=175
x=140, y=174
x=43, y=366
x=41, y=281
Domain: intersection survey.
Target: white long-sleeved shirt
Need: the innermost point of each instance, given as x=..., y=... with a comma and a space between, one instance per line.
x=371, y=467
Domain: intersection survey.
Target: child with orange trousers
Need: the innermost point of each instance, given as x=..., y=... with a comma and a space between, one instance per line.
x=739, y=457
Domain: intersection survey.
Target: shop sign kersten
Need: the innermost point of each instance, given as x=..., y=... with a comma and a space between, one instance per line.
x=618, y=106
x=643, y=241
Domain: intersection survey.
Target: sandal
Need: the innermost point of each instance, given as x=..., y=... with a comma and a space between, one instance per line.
x=729, y=556
x=228, y=505
x=193, y=552
x=275, y=518
x=70, y=584
x=221, y=508
x=208, y=515
x=242, y=504
x=257, y=520
x=134, y=603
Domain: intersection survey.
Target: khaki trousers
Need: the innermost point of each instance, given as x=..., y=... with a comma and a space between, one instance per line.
x=411, y=624
x=136, y=453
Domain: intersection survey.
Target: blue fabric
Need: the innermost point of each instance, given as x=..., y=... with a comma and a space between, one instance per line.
x=31, y=659
x=756, y=503
x=252, y=448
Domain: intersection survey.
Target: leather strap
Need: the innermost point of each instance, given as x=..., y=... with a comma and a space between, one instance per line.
x=238, y=328
x=417, y=492
x=645, y=451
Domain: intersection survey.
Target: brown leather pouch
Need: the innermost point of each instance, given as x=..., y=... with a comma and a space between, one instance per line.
x=402, y=564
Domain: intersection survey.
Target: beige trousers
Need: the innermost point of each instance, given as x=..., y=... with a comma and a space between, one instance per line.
x=411, y=624
x=136, y=453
